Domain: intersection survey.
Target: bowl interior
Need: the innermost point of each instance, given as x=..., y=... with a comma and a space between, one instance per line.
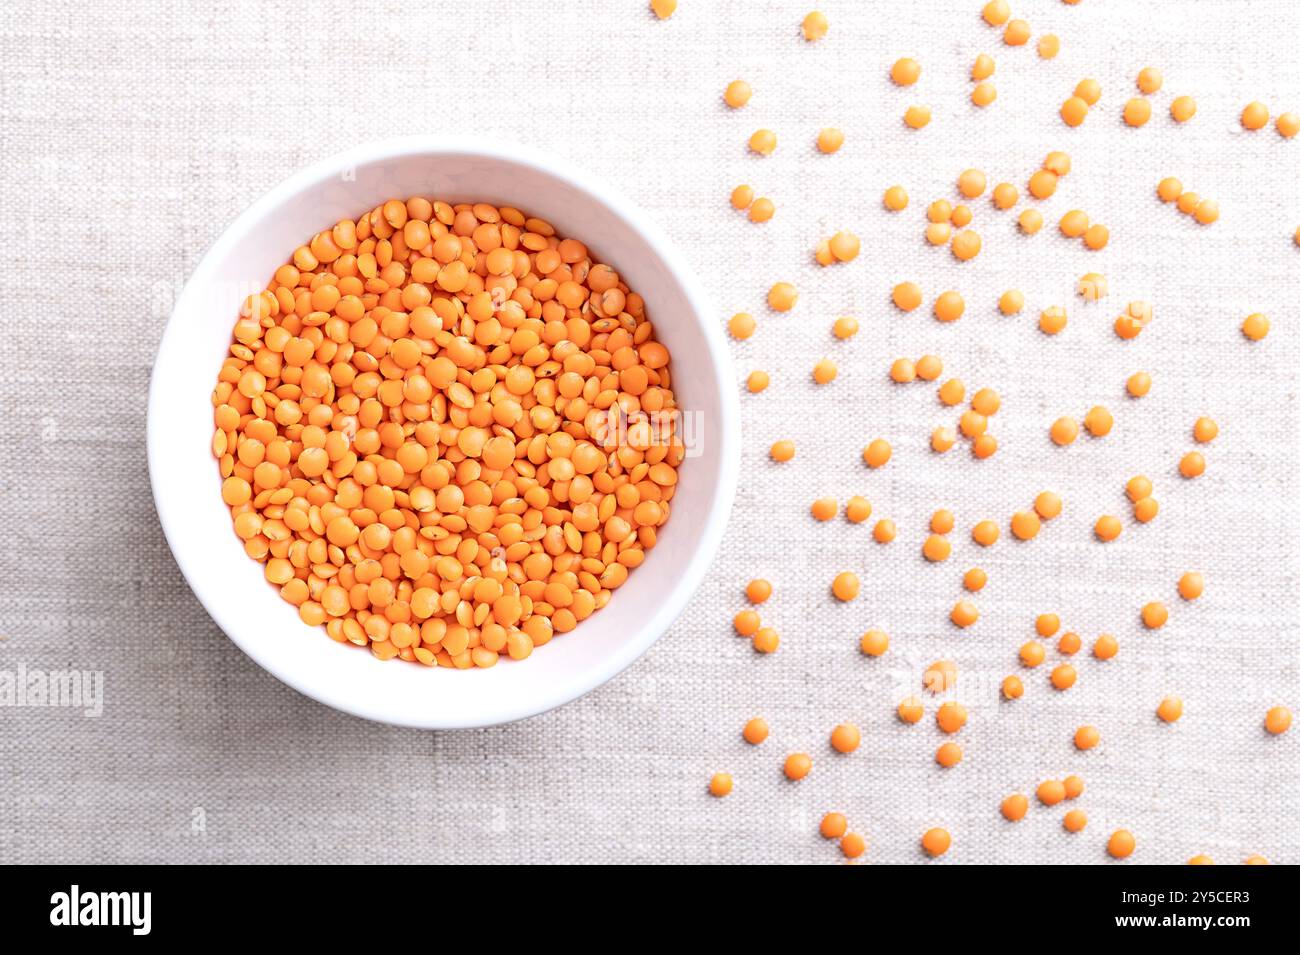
x=231, y=585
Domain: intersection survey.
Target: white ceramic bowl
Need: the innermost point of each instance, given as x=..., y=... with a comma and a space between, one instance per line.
x=186, y=484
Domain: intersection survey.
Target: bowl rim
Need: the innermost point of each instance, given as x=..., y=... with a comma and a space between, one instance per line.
x=167, y=504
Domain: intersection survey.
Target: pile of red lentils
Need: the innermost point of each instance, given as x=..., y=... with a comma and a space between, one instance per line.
x=949, y=224
x=447, y=432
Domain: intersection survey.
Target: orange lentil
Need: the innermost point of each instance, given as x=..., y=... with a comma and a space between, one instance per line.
x=1107, y=528
x=741, y=325
x=929, y=367
x=1030, y=221
x=1052, y=320
x=1005, y=195
x=1254, y=116
x=845, y=326
x=1138, y=384
x=1014, y=807
x=766, y=640
x=746, y=623
x=985, y=533
x=1088, y=90
x=757, y=381
x=1201, y=859
x=782, y=296
x=1182, y=108
x=1277, y=720
x=949, y=306
x=1042, y=184
x=1187, y=202
x=857, y=509
x=1076, y=820
x=1205, y=430
x=939, y=676
x=942, y=521
x=1255, y=327
x=1121, y=844
x=1047, y=624
x=782, y=451
x=936, y=842
x=1063, y=676
x=966, y=245
x=936, y=548
x=758, y=590
x=938, y=233
x=1011, y=302
x=911, y=710
x=720, y=784
x=961, y=216
x=797, y=766
x=950, y=717
x=948, y=755
x=755, y=731
x=833, y=825
x=972, y=424
x=1086, y=737
x=975, y=579
x=917, y=117
x=742, y=196
x=1057, y=162
x=1074, y=223
x=762, y=210
x=1154, y=615
x=737, y=93
x=1073, y=786
x=830, y=139
x=1016, y=33
x=1098, y=421
x=1025, y=525
x=763, y=142
x=939, y=211
x=1097, y=237
x=825, y=371
x=996, y=12
x=1050, y=792
x=853, y=845
x=1013, y=688
x=1105, y=647
x=964, y=613
x=1192, y=464
x=845, y=738
x=1048, y=505
x=942, y=439
x=982, y=68
x=905, y=71
x=664, y=9
x=1145, y=509
x=1064, y=431
x=907, y=296
x=1074, y=111
x=1048, y=46
x=1170, y=709
x=1288, y=125
x=874, y=643
x=1032, y=654
x=1150, y=79
x=877, y=453
x=1191, y=585
x=845, y=586
x=884, y=531
x=983, y=94
x=1069, y=644
x=1206, y=212
x=896, y=198
x=1137, y=111
x=824, y=508
x=814, y=26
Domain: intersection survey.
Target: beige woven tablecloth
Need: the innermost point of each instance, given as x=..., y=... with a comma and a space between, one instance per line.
x=131, y=133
